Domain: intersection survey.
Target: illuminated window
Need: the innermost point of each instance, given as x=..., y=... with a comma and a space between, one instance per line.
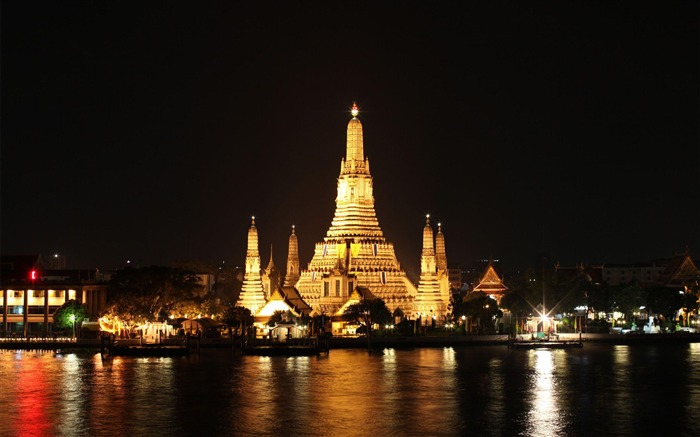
x=337, y=287
x=326, y=289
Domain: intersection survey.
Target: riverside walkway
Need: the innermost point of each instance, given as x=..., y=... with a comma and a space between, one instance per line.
x=375, y=341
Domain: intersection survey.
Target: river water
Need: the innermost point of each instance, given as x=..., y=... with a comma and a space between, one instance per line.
x=616, y=390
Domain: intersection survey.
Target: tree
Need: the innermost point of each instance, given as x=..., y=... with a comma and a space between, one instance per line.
x=665, y=302
x=627, y=300
x=139, y=295
x=367, y=312
x=62, y=318
x=514, y=302
x=237, y=317
x=278, y=316
x=482, y=308
x=599, y=298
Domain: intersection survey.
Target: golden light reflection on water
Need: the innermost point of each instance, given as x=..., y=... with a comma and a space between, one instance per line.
x=73, y=401
x=494, y=405
x=597, y=390
x=544, y=414
x=693, y=385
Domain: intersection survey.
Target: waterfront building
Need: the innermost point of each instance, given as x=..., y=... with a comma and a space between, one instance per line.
x=30, y=294
x=355, y=254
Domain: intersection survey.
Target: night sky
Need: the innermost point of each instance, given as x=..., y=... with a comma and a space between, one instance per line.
x=152, y=131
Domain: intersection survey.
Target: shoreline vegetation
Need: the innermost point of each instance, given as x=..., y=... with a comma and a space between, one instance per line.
x=379, y=341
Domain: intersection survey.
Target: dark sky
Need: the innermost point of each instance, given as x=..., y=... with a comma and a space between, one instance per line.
x=153, y=130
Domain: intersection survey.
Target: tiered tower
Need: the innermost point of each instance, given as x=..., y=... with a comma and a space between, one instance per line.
x=252, y=293
x=441, y=264
x=429, y=303
x=354, y=252
x=292, y=276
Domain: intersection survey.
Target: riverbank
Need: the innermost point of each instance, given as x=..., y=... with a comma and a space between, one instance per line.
x=380, y=341
x=500, y=339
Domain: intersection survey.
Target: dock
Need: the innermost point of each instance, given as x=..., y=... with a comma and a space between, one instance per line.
x=290, y=348
x=550, y=341
x=111, y=347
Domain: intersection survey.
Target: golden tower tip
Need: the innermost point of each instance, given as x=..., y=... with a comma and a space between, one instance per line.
x=355, y=109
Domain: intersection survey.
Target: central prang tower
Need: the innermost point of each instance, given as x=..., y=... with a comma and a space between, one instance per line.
x=354, y=252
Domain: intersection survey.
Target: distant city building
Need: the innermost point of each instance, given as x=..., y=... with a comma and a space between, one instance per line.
x=454, y=275
x=30, y=294
x=674, y=272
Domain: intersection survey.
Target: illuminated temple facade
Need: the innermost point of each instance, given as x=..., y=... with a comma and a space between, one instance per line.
x=355, y=254
x=252, y=292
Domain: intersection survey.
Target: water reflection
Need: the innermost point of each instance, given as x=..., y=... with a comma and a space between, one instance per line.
x=544, y=414
x=72, y=403
x=596, y=390
x=32, y=392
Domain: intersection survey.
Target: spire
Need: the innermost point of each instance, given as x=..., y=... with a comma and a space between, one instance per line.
x=252, y=292
x=440, y=253
x=354, y=253
x=428, y=244
x=271, y=264
x=355, y=146
x=271, y=278
x=292, y=275
x=428, y=300
x=355, y=216
x=253, y=239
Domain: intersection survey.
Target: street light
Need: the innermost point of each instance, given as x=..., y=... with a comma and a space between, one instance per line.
x=72, y=319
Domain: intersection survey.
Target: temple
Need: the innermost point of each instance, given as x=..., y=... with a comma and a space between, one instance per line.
x=355, y=255
x=491, y=284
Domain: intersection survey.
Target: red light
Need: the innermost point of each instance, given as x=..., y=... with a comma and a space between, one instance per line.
x=32, y=274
